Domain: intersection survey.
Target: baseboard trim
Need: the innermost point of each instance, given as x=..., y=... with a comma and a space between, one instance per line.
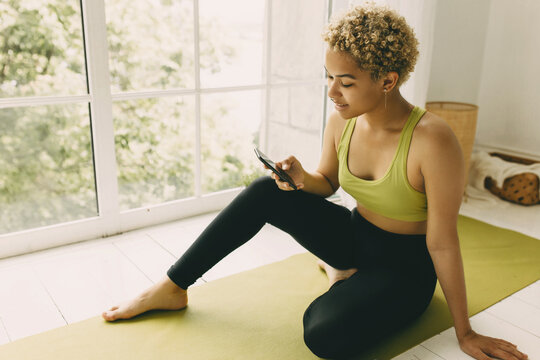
x=507, y=150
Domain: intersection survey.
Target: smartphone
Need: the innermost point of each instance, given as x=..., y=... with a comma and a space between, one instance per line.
x=270, y=164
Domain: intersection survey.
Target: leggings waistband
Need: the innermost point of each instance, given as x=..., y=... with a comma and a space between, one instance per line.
x=357, y=217
x=378, y=245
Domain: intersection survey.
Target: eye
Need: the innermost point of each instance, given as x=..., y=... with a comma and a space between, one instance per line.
x=330, y=77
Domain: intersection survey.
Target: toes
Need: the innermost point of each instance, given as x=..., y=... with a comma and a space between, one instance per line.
x=108, y=315
x=112, y=314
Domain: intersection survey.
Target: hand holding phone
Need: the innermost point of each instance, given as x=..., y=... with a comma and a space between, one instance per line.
x=283, y=176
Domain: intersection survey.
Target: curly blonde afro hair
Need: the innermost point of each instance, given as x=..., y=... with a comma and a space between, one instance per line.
x=377, y=38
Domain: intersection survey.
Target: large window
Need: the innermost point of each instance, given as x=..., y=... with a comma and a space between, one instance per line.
x=116, y=114
x=46, y=167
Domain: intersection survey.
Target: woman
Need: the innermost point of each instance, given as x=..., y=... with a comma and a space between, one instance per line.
x=383, y=258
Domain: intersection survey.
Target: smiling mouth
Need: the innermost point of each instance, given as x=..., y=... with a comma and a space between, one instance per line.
x=338, y=104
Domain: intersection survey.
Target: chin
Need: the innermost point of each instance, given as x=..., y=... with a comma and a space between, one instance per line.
x=348, y=114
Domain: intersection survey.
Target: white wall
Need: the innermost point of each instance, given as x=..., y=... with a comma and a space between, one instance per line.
x=458, y=50
x=486, y=53
x=510, y=83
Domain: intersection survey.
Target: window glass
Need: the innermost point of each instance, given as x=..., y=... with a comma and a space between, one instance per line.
x=231, y=42
x=150, y=44
x=155, y=150
x=47, y=167
x=46, y=155
x=230, y=128
x=41, y=48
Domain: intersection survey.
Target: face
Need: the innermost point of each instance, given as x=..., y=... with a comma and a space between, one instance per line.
x=352, y=89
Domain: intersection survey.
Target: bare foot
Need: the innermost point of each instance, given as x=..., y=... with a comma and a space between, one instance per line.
x=334, y=274
x=164, y=295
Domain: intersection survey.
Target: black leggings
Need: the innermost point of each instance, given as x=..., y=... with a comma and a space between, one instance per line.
x=394, y=283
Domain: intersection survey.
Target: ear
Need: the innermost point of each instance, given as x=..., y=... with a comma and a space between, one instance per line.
x=389, y=81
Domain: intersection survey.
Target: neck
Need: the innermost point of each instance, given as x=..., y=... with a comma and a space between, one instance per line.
x=392, y=117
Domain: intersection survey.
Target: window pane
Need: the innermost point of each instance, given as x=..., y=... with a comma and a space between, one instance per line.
x=297, y=45
x=231, y=42
x=230, y=129
x=42, y=48
x=47, y=172
x=150, y=44
x=295, y=124
x=155, y=148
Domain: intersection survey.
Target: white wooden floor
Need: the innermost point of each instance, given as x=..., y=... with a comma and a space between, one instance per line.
x=52, y=288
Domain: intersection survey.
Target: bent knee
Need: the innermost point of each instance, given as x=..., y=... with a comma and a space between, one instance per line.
x=332, y=337
x=322, y=341
x=332, y=342
x=262, y=181
x=263, y=186
x=324, y=334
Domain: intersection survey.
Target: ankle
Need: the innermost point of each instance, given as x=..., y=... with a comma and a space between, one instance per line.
x=168, y=284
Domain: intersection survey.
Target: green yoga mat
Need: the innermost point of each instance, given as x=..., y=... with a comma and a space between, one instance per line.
x=257, y=314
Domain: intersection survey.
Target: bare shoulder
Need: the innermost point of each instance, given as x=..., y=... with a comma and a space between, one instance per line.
x=335, y=126
x=431, y=125
x=335, y=120
x=433, y=133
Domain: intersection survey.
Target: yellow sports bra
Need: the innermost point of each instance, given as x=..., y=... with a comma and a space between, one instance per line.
x=392, y=195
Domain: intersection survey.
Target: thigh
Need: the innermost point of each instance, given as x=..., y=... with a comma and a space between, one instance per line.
x=364, y=309
x=322, y=227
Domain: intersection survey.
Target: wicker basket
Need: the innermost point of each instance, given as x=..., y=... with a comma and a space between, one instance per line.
x=462, y=119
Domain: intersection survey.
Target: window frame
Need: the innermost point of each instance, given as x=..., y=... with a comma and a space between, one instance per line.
x=110, y=220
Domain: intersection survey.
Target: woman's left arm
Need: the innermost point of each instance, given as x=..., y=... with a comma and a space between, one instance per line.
x=444, y=179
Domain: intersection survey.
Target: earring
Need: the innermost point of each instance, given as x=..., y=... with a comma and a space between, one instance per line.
x=384, y=99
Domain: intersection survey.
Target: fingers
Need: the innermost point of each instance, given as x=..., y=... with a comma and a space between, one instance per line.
x=479, y=346
x=510, y=348
x=481, y=356
x=506, y=342
x=283, y=185
x=283, y=166
x=501, y=354
x=287, y=163
x=505, y=351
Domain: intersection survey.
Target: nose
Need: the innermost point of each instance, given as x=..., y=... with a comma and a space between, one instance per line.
x=333, y=90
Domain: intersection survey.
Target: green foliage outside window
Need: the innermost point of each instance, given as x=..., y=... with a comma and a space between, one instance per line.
x=46, y=159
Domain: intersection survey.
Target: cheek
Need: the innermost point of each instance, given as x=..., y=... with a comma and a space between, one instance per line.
x=363, y=96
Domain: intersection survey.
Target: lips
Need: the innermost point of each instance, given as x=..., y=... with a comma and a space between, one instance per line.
x=340, y=107
x=338, y=104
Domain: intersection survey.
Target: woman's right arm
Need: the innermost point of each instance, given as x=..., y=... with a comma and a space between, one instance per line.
x=324, y=181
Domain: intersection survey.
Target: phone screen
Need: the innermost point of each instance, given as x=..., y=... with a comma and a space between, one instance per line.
x=269, y=163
